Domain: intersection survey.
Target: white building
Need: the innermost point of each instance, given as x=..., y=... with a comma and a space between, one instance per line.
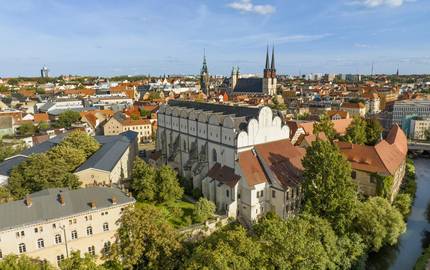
x=404, y=108
x=223, y=150
x=418, y=129
x=52, y=223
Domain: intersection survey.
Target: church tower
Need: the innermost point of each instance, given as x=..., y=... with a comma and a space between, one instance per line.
x=269, y=78
x=204, y=76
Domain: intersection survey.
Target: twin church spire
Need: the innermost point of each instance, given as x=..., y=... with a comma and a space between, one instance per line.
x=270, y=69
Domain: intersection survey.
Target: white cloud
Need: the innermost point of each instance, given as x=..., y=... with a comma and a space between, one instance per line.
x=248, y=6
x=377, y=3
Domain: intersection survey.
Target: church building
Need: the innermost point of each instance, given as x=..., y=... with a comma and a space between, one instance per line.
x=254, y=85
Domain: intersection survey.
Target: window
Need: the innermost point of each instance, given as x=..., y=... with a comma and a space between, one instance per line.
x=60, y=258
x=87, y=218
x=227, y=193
x=273, y=193
x=40, y=243
x=261, y=193
x=74, y=234
x=70, y=222
x=22, y=233
x=36, y=230
x=106, y=247
x=89, y=230
x=1, y=254
x=92, y=250
x=105, y=227
x=54, y=226
x=57, y=239
x=354, y=174
x=21, y=248
x=214, y=155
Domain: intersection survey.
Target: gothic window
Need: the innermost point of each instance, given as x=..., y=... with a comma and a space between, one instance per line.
x=214, y=155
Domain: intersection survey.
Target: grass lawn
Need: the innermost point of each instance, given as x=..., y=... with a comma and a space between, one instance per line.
x=178, y=213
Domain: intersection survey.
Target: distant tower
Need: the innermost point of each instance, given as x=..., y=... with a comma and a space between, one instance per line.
x=204, y=76
x=397, y=72
x=234, y=77
x=371, y=73
x=44, y=72
x=269, y=78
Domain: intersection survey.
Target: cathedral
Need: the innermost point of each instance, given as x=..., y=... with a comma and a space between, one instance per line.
x=204, y=77
x=254, y=85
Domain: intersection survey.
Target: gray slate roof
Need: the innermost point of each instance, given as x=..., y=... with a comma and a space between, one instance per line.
x=7, y=165
x=249, y=85
x=45, y=205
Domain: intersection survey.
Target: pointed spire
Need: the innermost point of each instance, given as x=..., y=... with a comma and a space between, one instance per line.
x=267, y=57
x=273, y=58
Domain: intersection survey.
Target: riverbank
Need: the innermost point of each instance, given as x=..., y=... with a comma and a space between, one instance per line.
x=417, y=236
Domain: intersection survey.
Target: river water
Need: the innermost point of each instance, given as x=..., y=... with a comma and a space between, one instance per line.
x=411, y=244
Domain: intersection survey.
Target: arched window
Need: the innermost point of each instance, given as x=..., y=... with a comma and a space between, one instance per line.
x=40, y=243
x=214, y=155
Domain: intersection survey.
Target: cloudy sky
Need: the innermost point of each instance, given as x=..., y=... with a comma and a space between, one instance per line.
x=111, y=37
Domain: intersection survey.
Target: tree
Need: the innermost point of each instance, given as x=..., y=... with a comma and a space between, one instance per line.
x=304, y=242
x=403, y=203
x=81, y=140
x=325, y=125
x=26, y=129
x=427, y=134
x=145, y=113
x=67, y=118
x=145, y=240
x=328, y=188
x=9, y=150
x=73, y=157
x=168, y=185
x=373, y=131
x=13, y=81
x=5, y=195
x=39, y=172
x=228, y=248
x=356, y=132
x=204, y=209
x=23, y=262
x=43, y=126
x=143, y=181
x=379, y=223
x=76, y=262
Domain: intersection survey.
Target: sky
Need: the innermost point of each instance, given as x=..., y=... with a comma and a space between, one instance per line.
x=131, y=37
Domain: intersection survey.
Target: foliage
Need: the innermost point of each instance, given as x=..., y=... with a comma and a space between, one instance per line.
x=303, y=116
x=304, y=242
x=39, y=172
x=204, y=209
x=23, y=262
x=5, y=195
x=145, y=113
x=384, y=185
x=81, y=140
x=76, y=262
x=9, y=150
x=409, y=185
x=67, y=118
x=423, y=260
x=3, y=88
x=373, y=131
x=13, y=81
x=154, y=95
x=73, y=157
x=328, y=189
x=356, y=132
x=403, y=203
x=427, y=134
x=26, y=129
x=379, y=223
x=227, y=248
x=325, y=125
x=143, y=181
x=146, y=240
x=168, y=185
x=43, y=126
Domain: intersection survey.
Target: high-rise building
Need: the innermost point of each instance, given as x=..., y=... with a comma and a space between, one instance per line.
x=44, y=72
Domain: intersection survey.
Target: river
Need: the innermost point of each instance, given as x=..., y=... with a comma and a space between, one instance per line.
x=417, y=236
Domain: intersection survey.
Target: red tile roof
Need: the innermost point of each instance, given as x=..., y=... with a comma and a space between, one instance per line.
x=41, y=117
x=251, y=168
x=224, y=174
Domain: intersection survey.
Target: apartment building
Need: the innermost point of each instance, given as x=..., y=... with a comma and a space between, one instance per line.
x=354, y=109
x=405, y=108
x=239, y=157
x=418, y=128
x=52, y=223
x=121, y=122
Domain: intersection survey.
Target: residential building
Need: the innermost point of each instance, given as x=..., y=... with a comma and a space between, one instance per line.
x=59, y=104
x=52, y=223
x=374, y=103
x=120, y=122
x=354, y=109
x=418, y=128
x=404, y=108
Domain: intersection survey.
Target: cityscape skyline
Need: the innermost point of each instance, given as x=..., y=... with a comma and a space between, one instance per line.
x=102, y=38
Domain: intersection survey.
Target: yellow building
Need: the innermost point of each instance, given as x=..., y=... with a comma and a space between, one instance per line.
x=120, y=122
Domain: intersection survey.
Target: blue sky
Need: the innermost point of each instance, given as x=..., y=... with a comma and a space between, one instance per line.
x=111, y=37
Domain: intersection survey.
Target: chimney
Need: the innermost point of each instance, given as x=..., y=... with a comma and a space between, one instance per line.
x=28, y=201
x=61, y=199
x=93, y=205
x=114, y=200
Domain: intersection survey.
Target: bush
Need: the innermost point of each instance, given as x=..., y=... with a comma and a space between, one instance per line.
x=403, y=203
x=423, y=260
x=203, y=210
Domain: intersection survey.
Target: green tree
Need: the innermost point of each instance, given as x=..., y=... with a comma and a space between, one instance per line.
x=403, y=203
x=228, y=248
x=26, y=129
x=356, y=132
x=23, y=262
x=73, y=157
x=328, y=188
x=5, y=195
x=373, y=131
x=3, y=89
x=169, y=188
x=145, y=240
x=13, y=81
x=379, y=223
x=76, y=262
x=67, y=118
x=143, y=181
x=203, y=210
x=81, y=140
x=43, y=126
x=9, y=150
x=325, y=125
x=427, y=134
x=145, y=113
